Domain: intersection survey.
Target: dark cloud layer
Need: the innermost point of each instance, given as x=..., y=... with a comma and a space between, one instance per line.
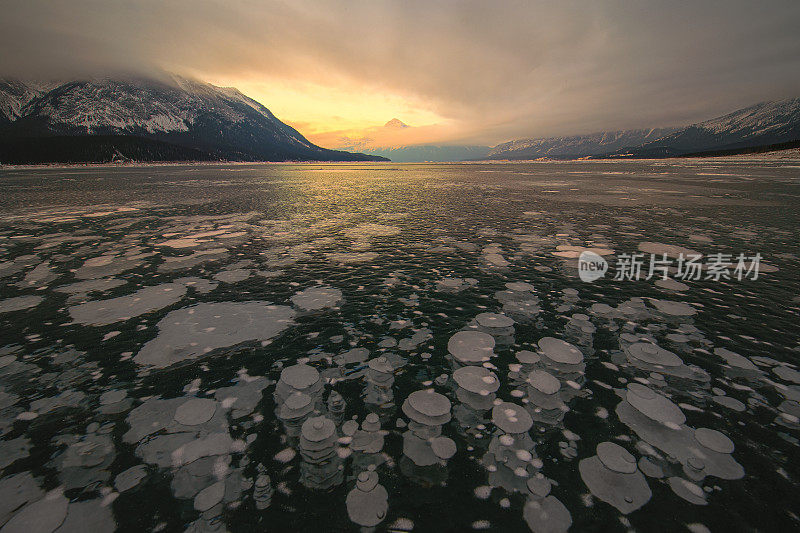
x=499, y=69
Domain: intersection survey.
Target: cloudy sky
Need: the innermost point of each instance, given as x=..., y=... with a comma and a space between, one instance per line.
x=457, y=72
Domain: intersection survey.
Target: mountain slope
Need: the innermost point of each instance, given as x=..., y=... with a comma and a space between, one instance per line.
x=220, y=123
x=575, y=146
x=93, y=148
x=14, y=95
x=758, y=125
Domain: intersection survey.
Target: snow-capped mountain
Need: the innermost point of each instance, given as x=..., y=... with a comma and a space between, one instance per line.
x=396, y=140
x=767, y=123
x=220, y=122
x=14, y=95
x=395, y=123
x=761, y=124
x=575, y=146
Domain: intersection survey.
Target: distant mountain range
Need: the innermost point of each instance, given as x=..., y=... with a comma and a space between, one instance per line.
x=389, y=141
x=429, y=152
x=576, y=145
x=145, y=120
x=767, y=123
x=176, y=119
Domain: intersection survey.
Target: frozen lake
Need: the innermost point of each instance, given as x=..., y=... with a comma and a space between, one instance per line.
x=408, y=346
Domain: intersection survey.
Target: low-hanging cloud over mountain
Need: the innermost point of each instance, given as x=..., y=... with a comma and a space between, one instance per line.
x=471, y=71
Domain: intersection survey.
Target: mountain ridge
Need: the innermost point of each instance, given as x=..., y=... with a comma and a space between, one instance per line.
x=763, y=124
x=575, y=145
x=219, y=123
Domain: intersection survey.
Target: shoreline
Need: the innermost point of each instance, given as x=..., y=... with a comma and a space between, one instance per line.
x=786, y=155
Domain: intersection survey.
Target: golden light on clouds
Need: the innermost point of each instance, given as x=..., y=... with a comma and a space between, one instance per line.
x=467, y=72
x=330, y=115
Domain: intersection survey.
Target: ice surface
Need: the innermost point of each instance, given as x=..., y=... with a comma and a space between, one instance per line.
x=195, y=412
x=464, y=334
x=317, y=298
x=19, y=303
x=42, y=516
x=192, y=332
x=130, y=478
x=471, y=347
x=149, y=299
